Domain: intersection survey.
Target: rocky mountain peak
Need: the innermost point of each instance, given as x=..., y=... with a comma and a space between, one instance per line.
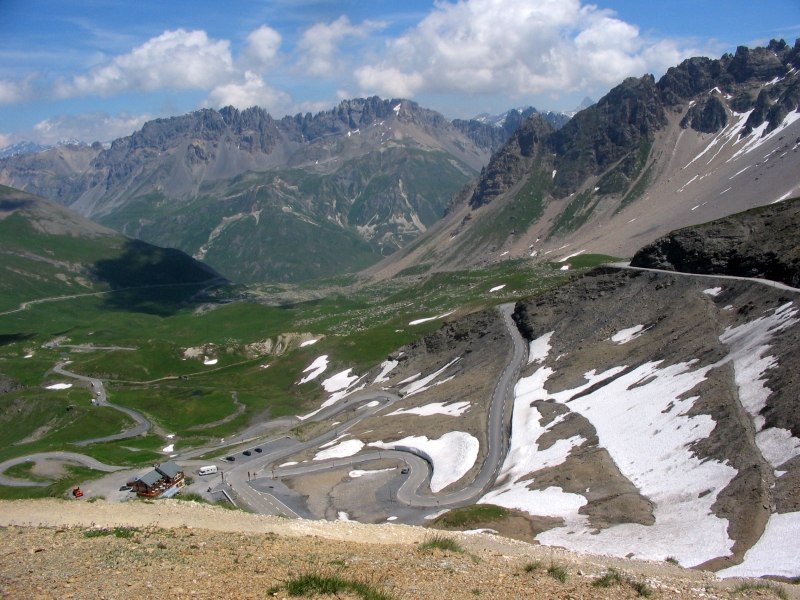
x=512, y=161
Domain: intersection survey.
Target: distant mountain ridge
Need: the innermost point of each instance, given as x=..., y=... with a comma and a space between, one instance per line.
x=33, y=147
x=513, y=118
x=344, y=186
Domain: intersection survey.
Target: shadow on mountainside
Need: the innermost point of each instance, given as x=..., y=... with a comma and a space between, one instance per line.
x=142, y=266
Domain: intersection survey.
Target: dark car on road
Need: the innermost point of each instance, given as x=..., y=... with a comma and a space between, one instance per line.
x=247, y=453
x=404, y=471
x=230, y=458
x=257, y=449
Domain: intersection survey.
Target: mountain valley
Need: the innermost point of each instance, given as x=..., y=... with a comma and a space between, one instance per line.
x=594, y=350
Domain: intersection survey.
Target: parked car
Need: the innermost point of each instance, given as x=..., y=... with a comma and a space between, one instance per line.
x=230, y=458
x=404, y=471
x=125, y=488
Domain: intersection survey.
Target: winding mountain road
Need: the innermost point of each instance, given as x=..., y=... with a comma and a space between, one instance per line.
x=420, y=469
x=769, y=282
x=142, y=423
x=87, y=461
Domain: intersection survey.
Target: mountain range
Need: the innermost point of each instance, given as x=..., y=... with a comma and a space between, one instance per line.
x=263, y=199
x=709, y=138
x=489, y=375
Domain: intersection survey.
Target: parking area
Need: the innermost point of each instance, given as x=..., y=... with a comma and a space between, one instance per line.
x=257, y=451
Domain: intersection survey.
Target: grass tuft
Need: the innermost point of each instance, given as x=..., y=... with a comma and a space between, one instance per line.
x=470, y=515
x=559, y=572
x=120, y=532
x=312, y=584
x=442, y=542
x=770, y=587
x=610, y=578
x=672, y=560
x=532, y=566
x=641, y=589
x=614, y=577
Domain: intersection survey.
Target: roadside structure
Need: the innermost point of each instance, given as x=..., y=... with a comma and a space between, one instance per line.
x=164, y=481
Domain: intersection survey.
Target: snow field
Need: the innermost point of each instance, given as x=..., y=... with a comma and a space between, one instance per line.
x=451, y=456
x=59, y=386
x=648, y=434
x=757, y=137
x=386, y=367
x=623, y=336
x=715, y=291
x=210, y=361
x=308, y=343
x=339, y=381
x=341, y=450
x=574, y=254
x=497, y=288
x=420, y=385
x=355, y=474
x=342, y=385
x=410, y=379
x=539, y=348
x=169, y=448
x=455, y=409
x=772, y=554
x=335, y=441
x=641, y=419
x=748, y=345
x=418, y=321
x=643, y=424
x=315, y=369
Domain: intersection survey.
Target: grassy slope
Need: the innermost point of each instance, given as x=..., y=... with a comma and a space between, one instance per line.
x=361, y=325
x=292, y=225
x=37, y=265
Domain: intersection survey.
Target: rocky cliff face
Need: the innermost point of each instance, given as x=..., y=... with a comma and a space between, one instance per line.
x=761, y=243
x=512, y=162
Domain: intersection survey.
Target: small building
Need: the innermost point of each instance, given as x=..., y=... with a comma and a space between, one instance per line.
x=165, y=480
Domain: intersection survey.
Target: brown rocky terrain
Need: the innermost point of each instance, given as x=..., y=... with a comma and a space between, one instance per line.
x=171, y=549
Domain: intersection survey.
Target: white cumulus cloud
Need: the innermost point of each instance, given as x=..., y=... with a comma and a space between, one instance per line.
x=12, y=91
x=319, y=45
x=251, y=91
x=176, y=59
x=262, y=47
x=514, y=47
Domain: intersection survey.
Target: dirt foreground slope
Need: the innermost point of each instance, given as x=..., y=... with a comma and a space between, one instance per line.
x=187, y=550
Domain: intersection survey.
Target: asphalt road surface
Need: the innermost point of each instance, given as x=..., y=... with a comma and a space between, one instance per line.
x=769, y=282
x=87, y=461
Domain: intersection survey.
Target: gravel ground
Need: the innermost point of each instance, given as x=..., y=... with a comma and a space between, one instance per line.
x=188, y=550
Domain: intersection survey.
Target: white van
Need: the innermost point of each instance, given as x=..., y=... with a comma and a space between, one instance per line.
x=209, y=470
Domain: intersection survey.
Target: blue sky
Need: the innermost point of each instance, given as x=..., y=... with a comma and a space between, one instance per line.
x=97, y=69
